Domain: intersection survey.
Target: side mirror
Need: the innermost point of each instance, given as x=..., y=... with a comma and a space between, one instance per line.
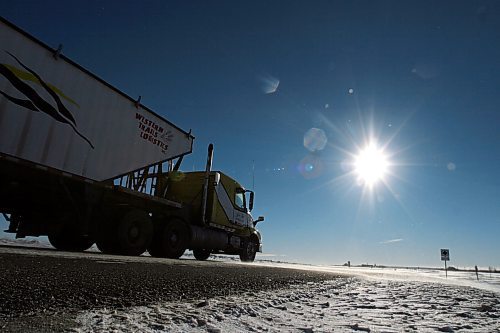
x=260, y=219
x=250, y=204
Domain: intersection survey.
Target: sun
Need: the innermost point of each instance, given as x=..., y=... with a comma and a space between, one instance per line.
x=371, y=165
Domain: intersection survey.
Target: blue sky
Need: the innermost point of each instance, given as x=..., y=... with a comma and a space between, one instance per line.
x=420, y=77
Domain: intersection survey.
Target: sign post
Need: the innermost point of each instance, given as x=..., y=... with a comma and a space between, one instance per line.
x=445, y=255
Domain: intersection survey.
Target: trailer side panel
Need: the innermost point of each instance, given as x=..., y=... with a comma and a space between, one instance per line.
x=54, y=113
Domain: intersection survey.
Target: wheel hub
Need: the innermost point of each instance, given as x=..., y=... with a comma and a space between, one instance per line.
x=173, y=238
x=133, y=233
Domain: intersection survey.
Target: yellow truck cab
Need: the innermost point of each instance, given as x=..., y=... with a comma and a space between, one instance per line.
x=221, y=223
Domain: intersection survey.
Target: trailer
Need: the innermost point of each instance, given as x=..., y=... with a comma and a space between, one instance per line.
x=82, y=163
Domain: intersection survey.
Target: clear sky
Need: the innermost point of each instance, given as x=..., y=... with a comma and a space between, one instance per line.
x=418, y=79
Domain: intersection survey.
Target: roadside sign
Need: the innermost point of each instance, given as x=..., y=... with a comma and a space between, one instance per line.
x=445, y=254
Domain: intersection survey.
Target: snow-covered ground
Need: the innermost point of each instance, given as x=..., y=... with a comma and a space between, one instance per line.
x=345, y=304
x=362, y=299
x=487, y=281
x=26, y=242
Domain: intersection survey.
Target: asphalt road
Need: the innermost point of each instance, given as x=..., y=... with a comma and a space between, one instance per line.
x=43, y=290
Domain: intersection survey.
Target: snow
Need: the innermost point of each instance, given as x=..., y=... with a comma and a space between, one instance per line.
x=487, y=281
x=25, y=242
x=344, y=304
x=361, y=299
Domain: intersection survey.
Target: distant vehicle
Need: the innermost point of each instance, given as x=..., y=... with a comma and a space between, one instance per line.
x=83, y=163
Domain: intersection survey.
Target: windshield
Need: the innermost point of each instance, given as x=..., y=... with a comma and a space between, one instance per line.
x=239, y=200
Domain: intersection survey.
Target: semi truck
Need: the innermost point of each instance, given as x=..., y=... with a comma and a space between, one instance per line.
x=83, y=163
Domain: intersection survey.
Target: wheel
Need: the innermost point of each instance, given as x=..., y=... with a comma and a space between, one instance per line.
x=105, y=247
x=175, y=239
x=155, y=248
x=134, y=233
x=170, y=241
x=249, y=251
x=201, y=254
x=106, y=240
x=68, y=240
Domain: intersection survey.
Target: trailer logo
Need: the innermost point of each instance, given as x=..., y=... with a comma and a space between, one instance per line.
x=35, y=102
x=154, y=133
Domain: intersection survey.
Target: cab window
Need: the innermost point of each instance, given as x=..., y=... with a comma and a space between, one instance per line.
x=239, y=200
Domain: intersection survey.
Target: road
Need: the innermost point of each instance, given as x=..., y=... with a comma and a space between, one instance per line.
x=43, y=290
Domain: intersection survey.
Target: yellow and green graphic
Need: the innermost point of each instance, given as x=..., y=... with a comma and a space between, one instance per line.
x=34, y=101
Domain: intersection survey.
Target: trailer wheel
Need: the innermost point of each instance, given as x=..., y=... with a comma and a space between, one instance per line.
x=249, y=251
x=106, y=237
x=70, y=241
x=201, y=254
x=134, y=232
x=155, y=248
x=106, y=247
x=175, y=239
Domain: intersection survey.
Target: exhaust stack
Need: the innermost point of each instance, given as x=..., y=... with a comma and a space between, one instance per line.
x=208, y=168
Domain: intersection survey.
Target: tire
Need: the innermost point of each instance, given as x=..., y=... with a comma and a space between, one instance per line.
x=106, y=246
x=106, y=240
x=155, y=248
x=249, y=251
x=201, y=254
x=68, y=240
x=175, y=240
x=134, y=233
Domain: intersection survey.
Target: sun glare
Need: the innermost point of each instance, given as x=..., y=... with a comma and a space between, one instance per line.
x=371, y=165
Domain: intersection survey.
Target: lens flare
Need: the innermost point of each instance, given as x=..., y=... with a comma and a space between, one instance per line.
x=311, y=167
x=315, y=139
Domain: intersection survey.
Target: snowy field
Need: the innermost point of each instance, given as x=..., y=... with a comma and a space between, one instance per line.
x=362, y=299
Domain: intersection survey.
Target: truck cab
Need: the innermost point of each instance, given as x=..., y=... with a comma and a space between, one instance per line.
x=225, y=214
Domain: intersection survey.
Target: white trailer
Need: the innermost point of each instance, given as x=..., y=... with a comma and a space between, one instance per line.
x=55, y=113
